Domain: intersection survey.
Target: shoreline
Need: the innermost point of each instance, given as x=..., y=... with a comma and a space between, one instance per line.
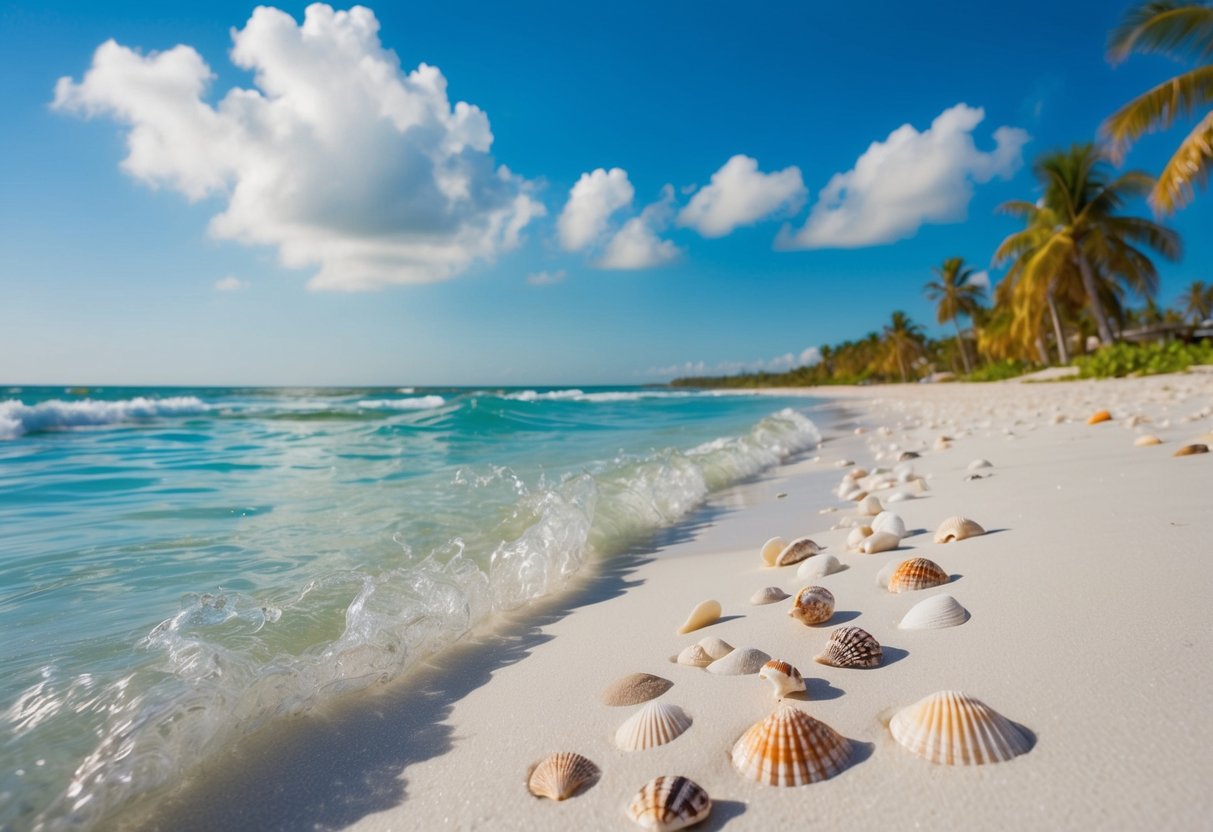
x=1060, y=597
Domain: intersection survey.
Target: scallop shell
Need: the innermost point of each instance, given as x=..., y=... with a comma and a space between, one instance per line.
x=655, y=724
x=957, y=528
x=957, y=730
x=916, y=573
x=934, y=613
x=880, y=542
x=818, y=567
x=717, y=648
x=869, y=506
x=705, y=613
x=560, y=775
x=856, y=537
x=784, y=678
x=790, y=748
x=767, y=595
x=851, y=647
x=813, y=605
x=1190, y=450
x=771, y=550
x=1147, y=440
x=634, y=689
x=796, y=551
x=888, y=521
x=1099, y=416
x=667, y=803
x=743, y=661
x=694, y=656
x=980, y=463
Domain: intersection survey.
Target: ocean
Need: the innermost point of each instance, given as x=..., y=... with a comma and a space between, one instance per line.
x=180, y=566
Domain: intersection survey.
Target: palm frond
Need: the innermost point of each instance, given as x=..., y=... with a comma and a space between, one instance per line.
x=1187, y=168
x=1166, y=26
x=1165, y=241
x=1157, y=108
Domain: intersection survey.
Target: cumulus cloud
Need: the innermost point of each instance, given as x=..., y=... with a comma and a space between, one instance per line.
x=592, y=200
x=231, y=283
x=981, y=278
x=906, y=181
x=545, y=278
x=778, y=364
x=637, y=245
x=740, y=194
x=337, y=157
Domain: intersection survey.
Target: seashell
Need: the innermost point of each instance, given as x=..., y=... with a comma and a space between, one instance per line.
x=790, y=748
x=869, y=506
x=634, y=689
x=855, y=473
x=1148, y=439
x=1099, y=416
x=771, y=550
x=818, y=567
x=784, y=678
x=880, y=542
x=957, y=528
x=857, y=535
x=942, y=443
x=917, y=573
x=560, y=775
x=667, y=803
x=694, y=656
x=980, y=463
x=934, y=613
x=705, y=613
x=886, y=572
x=796, y=551
x=767, y=595
x=1190, y=450
x=741, y=662
x=899, y=497
x=853, y=495
x=851, y=647
x=655, y=724
x=844, y=463
x=957, y=730
x=813, y=605
x=717, y=648
x=921, y=485
x=906, y=456
x=887, y=521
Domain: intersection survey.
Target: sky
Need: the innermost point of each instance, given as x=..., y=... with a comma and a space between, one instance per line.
x=520, y=194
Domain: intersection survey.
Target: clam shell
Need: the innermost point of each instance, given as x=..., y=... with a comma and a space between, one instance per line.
x=818, y=567
x=717, y=648
x=767, y=595
x=1099, y=416
x=784, y=678
x=667, y=803
x=771, y=550
x=694, y=656
x=888, y=521
x=869, y=506
x=851, y=647
x=813, y=605
x=796, y=551
x=655, y=724
x=743, y=661
x=560, y=775
x=953, y=729
x=916, y=573
x=857, y=536
x=1189, y=450
x=1147, y=440
x=934, y=613
x=957, y=528
x=880, y=542
x=980, y=463
x=634, y=689
x=790, y=748
x=705, y=613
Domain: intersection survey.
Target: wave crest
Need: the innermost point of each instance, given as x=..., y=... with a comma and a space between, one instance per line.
x=18, y=418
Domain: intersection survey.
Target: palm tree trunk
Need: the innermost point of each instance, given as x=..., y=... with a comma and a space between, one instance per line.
x=1041, y=352
x=1088, y=285
x=964, y=352
x=901, y=365
x=1063, y=350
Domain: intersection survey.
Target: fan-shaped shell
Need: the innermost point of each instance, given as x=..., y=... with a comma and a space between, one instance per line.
x=705, y=613
x=694, y=656
x=880, y=542
x=796, y=551
x=717, y=648
x=851, y=647
x=771, y=550
x=888, y=521
x=934, y=613
x=916, y=573
x=634, y=689
x=813, y=605
x=956, y=730
x=741, y=662
x=856, y=537
x=818, y=567
x=655, y=724
x=767, y=595
x=784, y=678
x=667, y=803
x=957, y=528
x=560, y=775
x=1147, y=440
x=1189, y=450
x=1099, y=416
x=790, y=748
x=869, y=506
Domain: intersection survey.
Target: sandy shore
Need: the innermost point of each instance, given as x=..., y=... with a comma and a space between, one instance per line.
x=1091, y=626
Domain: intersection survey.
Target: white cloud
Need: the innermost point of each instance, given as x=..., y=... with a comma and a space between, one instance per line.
x=778, y=364
x=908, y=180
x=231, y=283
x=592, y=200
x=739, y=194
x=545, y=278
x=337, y=157
x=637, y=245
x=981, y=278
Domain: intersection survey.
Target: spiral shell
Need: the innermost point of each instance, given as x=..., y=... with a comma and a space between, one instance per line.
x=1190, y=450
x=956, y=730
x=790, y=748
x=784, y=678
x=655, y=724
x=813, y=605
x=934, y=613
x=796, y=551
x=917, y=573
x=705, y=613
x=851, y=647
x=560, y=775
x=667, y=803
x=767, y=595
x=771, y=550
x=957, y=528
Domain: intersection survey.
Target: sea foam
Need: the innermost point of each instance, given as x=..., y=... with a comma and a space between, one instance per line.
x=18, y=419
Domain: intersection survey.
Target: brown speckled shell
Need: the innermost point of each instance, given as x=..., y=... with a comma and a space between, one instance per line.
x=851, y=647
x=813, y=605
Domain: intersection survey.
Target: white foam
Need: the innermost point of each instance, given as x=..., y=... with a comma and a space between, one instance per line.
x=18, y=418
x=415, y=403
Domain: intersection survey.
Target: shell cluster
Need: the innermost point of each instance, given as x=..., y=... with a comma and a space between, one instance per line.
x=813, y=605
x=790, y=748
x=953, y=729
x=668, y=803
x=561, y=775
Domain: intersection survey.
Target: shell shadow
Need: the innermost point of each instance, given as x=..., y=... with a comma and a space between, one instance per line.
x=1028, y=734
x=861, y=752
x=721, y=620
x=915, y=532
x=891, y=655
x=723, y=811
x=818, y=689
x=841, y=617
x=954, y=577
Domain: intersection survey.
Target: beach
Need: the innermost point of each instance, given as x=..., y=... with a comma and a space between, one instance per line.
x=1089, y=628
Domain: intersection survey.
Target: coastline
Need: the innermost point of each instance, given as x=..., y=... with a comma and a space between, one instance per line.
x=1089, y=627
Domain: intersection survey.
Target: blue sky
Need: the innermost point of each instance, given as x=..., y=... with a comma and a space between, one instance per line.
x=341, y=225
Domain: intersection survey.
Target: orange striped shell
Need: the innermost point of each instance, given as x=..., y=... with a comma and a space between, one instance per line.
x=917, y=573
x=790, y=748
x=560, y=775
x=953, y=729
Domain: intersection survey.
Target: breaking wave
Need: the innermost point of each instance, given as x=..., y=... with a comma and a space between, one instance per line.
x=18, y=419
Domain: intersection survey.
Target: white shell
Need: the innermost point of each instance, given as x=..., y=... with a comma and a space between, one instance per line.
x=881, y=542
x=887, y=521
x=819, y=566
x=1146, y=441
x=899, y=497
x=771, y=549
x=655, y=724
x=665, y=804
x=857, y=536
x=934, y=613
x=980, y=463
x=767, y=595
x=953, y=729
x=741, y=662
x=869, y=506
x=957, y=528
x=784, y=677
x=717, y=648
x=694, y=656
x=705, y=613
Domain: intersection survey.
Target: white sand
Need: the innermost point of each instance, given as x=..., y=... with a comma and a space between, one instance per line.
x=1091, y=626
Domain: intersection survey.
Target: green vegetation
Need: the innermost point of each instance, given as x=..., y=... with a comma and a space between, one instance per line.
x=1122, y=359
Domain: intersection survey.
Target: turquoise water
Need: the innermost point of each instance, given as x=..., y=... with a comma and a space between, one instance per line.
x=181, y=565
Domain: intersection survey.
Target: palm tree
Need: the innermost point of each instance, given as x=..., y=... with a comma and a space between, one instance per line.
x=957, y=295
x=1178, y=30
x=902, y=341
x=1198, y=302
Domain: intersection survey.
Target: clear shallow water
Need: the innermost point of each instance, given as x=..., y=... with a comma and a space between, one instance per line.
x=179, y=566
